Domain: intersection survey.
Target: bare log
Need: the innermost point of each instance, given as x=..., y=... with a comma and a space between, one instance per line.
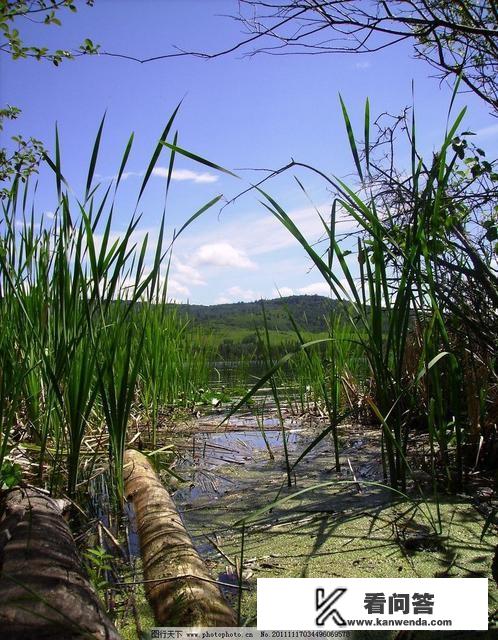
x=44, y=592
x=178, y=585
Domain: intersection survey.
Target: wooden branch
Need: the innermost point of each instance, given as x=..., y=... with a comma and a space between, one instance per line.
x=179, y=588
x=44, y=592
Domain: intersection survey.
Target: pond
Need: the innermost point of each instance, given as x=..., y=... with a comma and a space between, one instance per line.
x=346, y=523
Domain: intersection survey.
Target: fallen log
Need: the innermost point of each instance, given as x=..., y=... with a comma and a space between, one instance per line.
x=177, y=582
x=44, y=592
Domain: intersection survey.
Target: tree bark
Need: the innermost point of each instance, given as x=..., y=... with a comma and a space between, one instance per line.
x=178, y=585
x=44, y=592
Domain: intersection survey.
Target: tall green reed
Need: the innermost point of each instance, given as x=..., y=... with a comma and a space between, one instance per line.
x=397, y=293
x=266, y=352
x=175, y=360
x=82, y=309
x=395, y=289
x=313, y=379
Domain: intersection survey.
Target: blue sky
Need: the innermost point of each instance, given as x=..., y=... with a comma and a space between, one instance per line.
x=239, y=112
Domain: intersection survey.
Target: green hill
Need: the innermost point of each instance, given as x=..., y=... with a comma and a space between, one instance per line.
x=236, y=323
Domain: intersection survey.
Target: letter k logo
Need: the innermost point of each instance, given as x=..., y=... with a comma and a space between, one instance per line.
x=326, y=609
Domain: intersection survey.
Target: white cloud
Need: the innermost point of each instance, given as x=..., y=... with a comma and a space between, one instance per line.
x=130, y=174
x=185, y=174
x=363, y=65
x=222, y=254
x=137, y=238
x=181, y=175
x=316, y=288
x=487, y=131
x=243, y=294
x=187, y=274
x=49, y=214
x=282, y=291
x=124, y=176
x=209, y=257
x=20, y=224
x=237, y=294
x=259, y=234
x=266, y=234
x=177, y=291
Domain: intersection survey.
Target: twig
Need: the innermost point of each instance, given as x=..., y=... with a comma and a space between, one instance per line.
x=182, y=577
x=354, y=476
x=220, y=550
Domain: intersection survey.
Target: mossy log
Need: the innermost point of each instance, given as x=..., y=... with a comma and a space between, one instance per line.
x=178, y=586
x=44, y=592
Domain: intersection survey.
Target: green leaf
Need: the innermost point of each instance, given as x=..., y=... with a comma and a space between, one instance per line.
x=198, y=213
x=93, y=160
x=157, y=151
x=367, y=134
x=193, y=156
x=350, y=133
x=125, y=159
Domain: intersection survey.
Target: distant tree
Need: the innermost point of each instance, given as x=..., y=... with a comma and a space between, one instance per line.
x=25, y=156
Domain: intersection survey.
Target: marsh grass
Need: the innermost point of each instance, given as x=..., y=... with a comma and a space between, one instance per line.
x=397, y=290
x=266, y=351
x=88, y=336
x=398, y=303
x=89, y=342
